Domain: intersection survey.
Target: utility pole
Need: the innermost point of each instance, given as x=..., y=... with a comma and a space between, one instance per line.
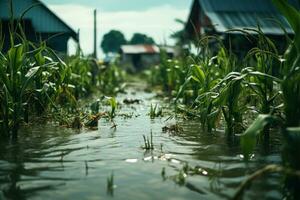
x=95, y=34
x=78, y=50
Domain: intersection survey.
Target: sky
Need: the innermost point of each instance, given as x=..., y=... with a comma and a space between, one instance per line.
x=155, y=18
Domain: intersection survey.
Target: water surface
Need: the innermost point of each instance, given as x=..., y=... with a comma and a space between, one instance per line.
x=51, y=162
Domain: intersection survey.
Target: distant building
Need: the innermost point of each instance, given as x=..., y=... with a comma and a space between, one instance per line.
x=217, y=17
x=137, y=57
x=39, y=24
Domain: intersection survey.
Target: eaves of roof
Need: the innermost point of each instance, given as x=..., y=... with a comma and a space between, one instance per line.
x=73, y=34
x=232, y=14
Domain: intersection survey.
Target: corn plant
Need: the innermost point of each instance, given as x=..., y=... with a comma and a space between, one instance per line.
x=110, y=79
x=290, y=87
x=170, y=73
x=214, y=93
x=35, y=81
x=290, y=83
x=113, y=105
x=17, y=74
x=229, y=100
x=264, y=79
x=81, y=76
x=32, y=78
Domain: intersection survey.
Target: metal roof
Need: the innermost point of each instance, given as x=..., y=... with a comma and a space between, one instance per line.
x=42, y=18
x=138, y=49
x=238, y=14
x=144, y=49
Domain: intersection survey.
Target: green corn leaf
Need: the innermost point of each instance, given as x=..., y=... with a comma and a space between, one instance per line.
x=32, y=72
x=3, y=74
x=182, y=87
x=248, y=138
x=113, y=104
x=196, y=79
x=257, y=73
x=15, y=56
x=29, y=77
x=5, y=108
x=198, y=72
x=293, y=17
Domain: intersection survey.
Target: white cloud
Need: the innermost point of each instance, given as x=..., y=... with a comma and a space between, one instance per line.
x=156, y=22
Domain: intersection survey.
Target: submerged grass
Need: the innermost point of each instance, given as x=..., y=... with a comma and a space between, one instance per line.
x=110, y=186
x=155, y=111
x=148, y=142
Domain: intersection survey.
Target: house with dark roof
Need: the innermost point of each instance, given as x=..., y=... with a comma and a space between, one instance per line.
x=219, y=17
x=39, y=24
x=141, y=56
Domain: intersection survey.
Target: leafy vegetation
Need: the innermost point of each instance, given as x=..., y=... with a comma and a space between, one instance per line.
x=148, y=142
x=110, y=185
x=260, y=91
x=249, y=97
x=113, y=104
x=139, y=38
x=35, y=82
x=112, y=41
x=155, y=111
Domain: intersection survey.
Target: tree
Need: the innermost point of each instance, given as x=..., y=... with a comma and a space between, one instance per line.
x=112, y=41
x=139, y=38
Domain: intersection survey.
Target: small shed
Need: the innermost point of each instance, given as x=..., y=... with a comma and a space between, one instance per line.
x=137, y=57
x=220, y=16
x=39, y=24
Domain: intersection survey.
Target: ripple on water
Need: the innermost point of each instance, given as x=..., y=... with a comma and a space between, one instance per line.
x=51, y=162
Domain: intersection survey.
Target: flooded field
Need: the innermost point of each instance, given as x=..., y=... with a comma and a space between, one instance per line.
x=52, y=162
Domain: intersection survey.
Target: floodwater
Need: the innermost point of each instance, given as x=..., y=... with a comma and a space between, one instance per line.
x=51, y=162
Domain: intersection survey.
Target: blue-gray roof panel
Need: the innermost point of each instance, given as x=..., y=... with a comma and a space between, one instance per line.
x=242, y=5
x=238, y=14
x=43, y=20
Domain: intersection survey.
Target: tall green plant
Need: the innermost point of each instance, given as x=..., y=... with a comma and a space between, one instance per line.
x=291, y=66
x=16, y=77
x=290, y=69
x=290, y=87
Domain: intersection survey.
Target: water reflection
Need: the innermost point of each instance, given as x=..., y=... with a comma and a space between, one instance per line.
x=50, y=162
x=23, y=162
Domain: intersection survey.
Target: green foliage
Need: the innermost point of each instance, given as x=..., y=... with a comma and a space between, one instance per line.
x=139, y=38
x=148, y=142
x=169, y=74
x=290, y=88
x=249, y=138
x=112, y=41
x=111, y=79
x=17, y=73
x=110, y=185
x=113, y=105
x=291, y=66
x=216, y=87
x=36, y=82
x=155, y=111
x=95, y=106
x=80, y=77
x=213, y=94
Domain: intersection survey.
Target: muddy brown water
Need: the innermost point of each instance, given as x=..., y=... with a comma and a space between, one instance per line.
x=51, y=162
